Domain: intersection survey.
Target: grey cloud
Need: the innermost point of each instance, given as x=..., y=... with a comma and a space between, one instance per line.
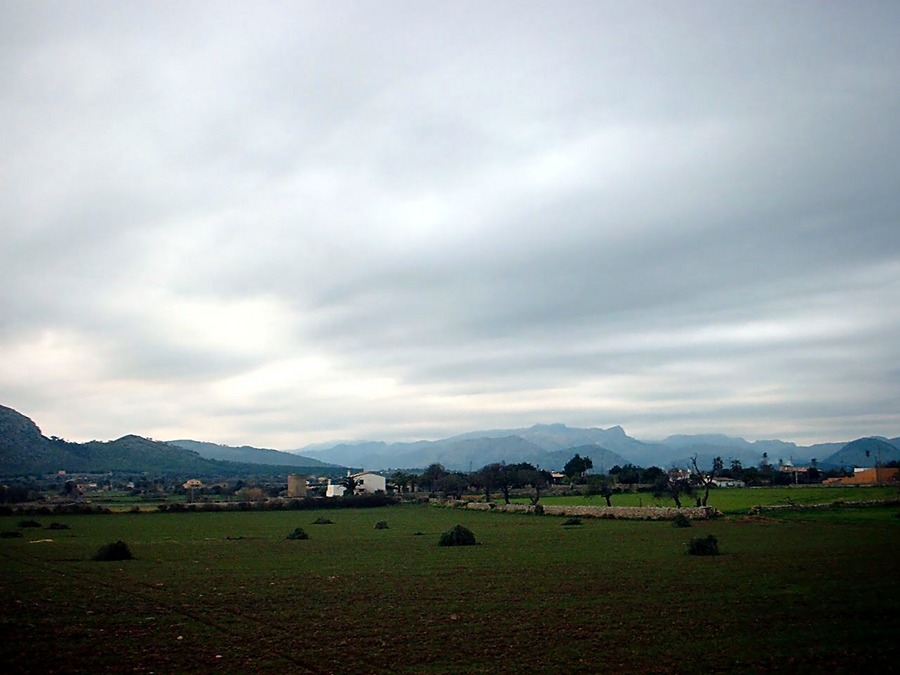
x=509, y=200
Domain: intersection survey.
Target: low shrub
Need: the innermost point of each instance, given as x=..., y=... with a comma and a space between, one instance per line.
x=116, y=551
x=323, y=521
x=538, y=509
x=298, y=533
x=457, y=536
x=681, y=520
x=572, y=521
x=381, y=525
x=707, y=545
x=57, y=526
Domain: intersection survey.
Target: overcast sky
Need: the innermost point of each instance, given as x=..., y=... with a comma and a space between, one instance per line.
x=286, y=223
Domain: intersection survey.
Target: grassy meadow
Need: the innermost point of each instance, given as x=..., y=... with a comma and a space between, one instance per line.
x=226, y=592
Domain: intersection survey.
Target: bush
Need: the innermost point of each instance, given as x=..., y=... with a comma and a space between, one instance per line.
x=323, y=521
x=57, y=526
x=29, y=523
x=538, y=509
x=381, y=525
x=298, y=533
x=457, y=536
x=707, y=545
x=116, y=551
x=572, y=521
x=681, y=520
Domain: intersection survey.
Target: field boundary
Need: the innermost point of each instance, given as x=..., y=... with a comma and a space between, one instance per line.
x=825, y=505
x=608, y=512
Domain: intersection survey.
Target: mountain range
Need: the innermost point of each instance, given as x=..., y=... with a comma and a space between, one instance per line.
x=550, y=446
x=25, y=450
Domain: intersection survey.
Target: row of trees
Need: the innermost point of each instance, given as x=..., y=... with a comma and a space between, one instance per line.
x=678, y=485
x=495, y=478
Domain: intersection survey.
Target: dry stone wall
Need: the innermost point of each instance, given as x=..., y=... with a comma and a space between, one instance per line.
x=616, y=512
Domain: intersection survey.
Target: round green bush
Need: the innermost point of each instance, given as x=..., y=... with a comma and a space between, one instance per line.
x=118, y=550
x=381, y=525
x=457, y=536
x=681, y=520
x=707, y=545
x=298, y=533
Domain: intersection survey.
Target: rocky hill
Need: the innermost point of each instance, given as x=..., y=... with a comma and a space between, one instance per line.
x=24, y=450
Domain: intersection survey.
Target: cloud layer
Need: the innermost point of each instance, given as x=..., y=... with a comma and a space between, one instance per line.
x=290, y=222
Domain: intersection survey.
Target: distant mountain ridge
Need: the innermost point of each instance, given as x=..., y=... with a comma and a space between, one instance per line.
x=24, y=449
x=551, y=445
x=249, y=454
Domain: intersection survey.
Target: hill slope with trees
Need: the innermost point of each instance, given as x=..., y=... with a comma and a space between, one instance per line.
x=24, y=450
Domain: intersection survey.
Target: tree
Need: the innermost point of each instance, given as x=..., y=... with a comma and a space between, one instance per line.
x=401, y=479
x=507, y=478
x=576, y=467
x=600, y=485
x=628, y=474
x=452, y=484
x=350, y=484
x=673, y=486
x=431, y=475
x=705, y=479
x=488, y=478
x=526, y=474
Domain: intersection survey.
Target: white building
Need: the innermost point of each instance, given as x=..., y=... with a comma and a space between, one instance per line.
x=366, y=483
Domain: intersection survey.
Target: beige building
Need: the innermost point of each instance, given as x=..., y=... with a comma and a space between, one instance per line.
x=296, y=485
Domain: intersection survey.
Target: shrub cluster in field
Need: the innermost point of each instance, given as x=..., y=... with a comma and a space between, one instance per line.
x=681, y=520
x=298, y=533
x=117, y=550
x=458, y=536
x=707, y=545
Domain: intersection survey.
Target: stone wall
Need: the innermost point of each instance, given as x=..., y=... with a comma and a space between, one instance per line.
x=614, y=512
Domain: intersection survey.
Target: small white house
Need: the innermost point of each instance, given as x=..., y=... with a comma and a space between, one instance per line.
x=366, y=483
x=370, y=482
x=334, y=490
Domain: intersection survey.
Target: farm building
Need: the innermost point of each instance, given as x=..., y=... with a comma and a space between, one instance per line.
x=877, y=476
x=296, y=485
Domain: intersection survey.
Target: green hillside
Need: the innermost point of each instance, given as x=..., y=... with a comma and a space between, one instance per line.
x=24, y=450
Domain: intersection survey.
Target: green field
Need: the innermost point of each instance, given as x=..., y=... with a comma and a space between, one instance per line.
x=739, y=501
x=226, y=592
